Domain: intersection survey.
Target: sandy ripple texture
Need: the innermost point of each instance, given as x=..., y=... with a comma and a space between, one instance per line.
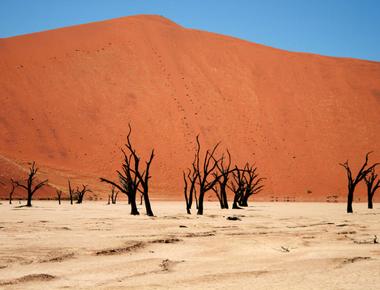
x=267, y=246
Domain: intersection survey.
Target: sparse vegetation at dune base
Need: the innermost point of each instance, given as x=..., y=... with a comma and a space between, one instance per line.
x=262, y=242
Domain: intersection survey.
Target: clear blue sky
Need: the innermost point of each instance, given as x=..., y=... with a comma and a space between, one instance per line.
x=347, y=28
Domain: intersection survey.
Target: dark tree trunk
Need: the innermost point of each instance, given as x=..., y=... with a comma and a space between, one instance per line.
x=187, y=199
x=200, y=203
x=80, y=199
x=144, y=182
x=222, y=175
x=370, y=204
x=59, y=194
x=70, y=192
x=244, y=201
x=114, y=198
x=148, y=208
x=13, y=185
x=370, y=197
x=188, y=205
x=220, y=200
x=224, y=197
x=196, y=201
x=29, y=200
x=235, y=204
x=350, y=198
x=191, y=194
x=145, y=194
x=134, y=210
x=373, y=183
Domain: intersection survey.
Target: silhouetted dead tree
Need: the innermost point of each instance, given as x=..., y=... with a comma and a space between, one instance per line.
x=185, y=186
x=59, y=194
x=13, y=187
x=372, y=186
x=189, y=184
x=144, y=181
x=131, y=178
x=237, y=186
x=114, y=194
x=71, y=192
x=28, y=186
x=353, y=182
x=205, y=179
x=81, y=192
x=253, y=184
x=128, y=184
x=224, y=171
x=210, y=173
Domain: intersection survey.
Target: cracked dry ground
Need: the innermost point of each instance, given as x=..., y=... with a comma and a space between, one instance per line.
x=269, y=246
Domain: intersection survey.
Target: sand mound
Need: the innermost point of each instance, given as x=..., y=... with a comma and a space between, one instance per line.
x=67, y=96
x=29, y=278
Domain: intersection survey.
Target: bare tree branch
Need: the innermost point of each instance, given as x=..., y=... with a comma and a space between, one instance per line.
x=353, y=182
x=28, y=186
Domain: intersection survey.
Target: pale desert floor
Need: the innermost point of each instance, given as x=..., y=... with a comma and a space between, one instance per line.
x=273, y=246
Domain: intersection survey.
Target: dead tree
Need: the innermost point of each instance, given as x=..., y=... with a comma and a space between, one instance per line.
x=190, y=179
x=128, y=183
x=28, y=186
x=353, y=182
x=237, y=186
x=71, y=193
x=130, y=178
x=253, y=184
x=144, y=181
x=143, y=177
x=13, y=187
x=205, y=179
x=372, y=186
x=81, y=192
x=188, y=208
x=114, y=194
x=59, y=194
x=220, y=189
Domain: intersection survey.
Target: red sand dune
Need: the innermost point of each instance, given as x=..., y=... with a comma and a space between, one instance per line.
x=67, y=96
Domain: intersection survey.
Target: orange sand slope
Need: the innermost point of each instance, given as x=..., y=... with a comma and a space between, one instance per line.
x=67, y=96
